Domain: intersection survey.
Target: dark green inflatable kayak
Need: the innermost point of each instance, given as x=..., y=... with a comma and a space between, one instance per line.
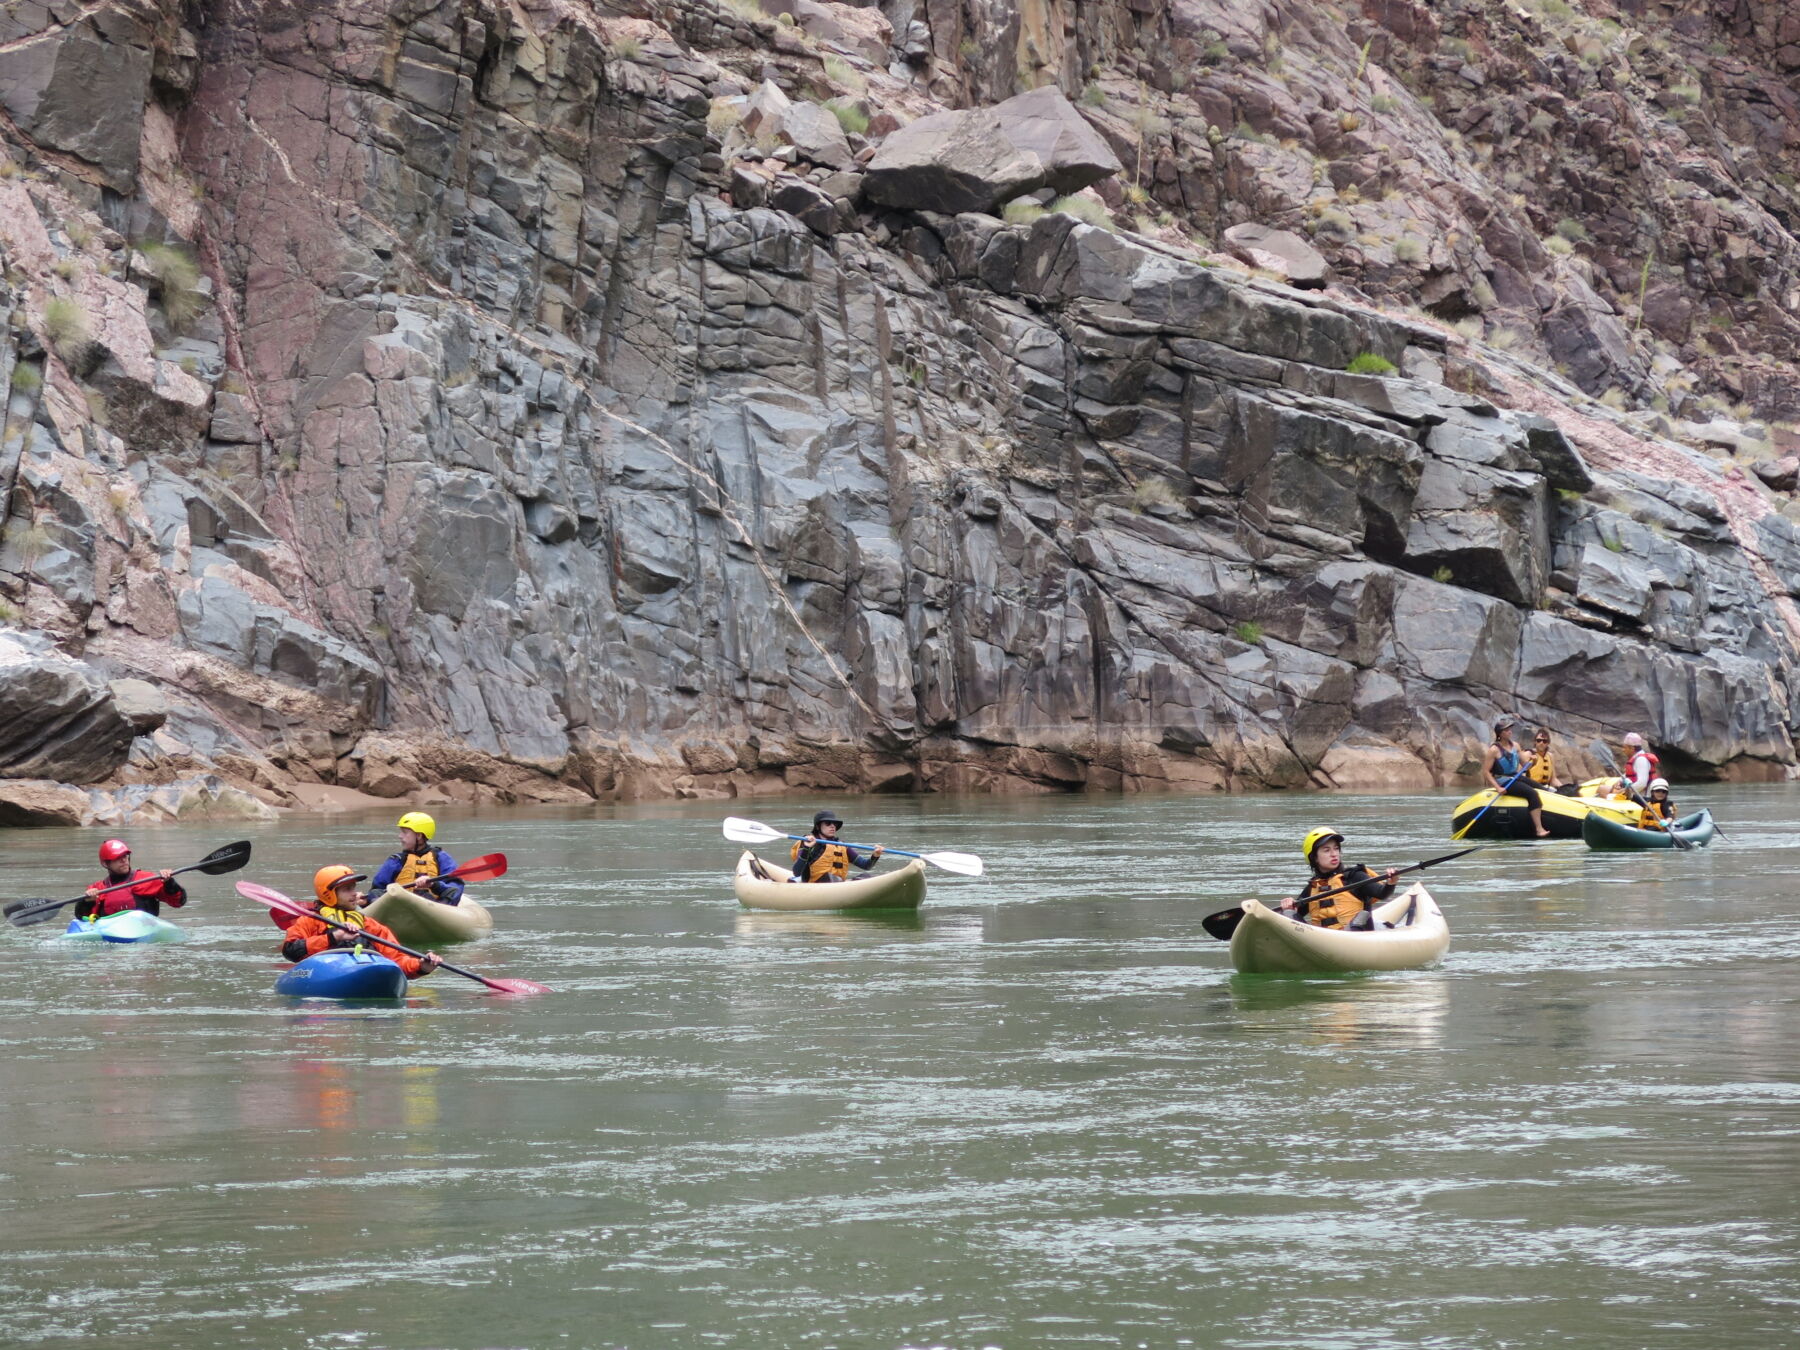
x=1603, y=831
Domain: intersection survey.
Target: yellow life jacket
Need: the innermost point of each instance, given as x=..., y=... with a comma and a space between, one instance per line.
x=331, y=914
x=833, y=862
x=1333, y=913
x=1542, y=770
x=418, y=867
x=1653, y=817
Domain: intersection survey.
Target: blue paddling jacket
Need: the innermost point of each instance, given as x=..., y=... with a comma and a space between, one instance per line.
x=405, y=868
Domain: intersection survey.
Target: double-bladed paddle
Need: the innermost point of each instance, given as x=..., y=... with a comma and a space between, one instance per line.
x=1636, y=796
x=1223, y=924
x=20, y=913
x=741, y=831
x=274, y=899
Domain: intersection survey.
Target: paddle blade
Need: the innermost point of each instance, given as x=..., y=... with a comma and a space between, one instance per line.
x=222, y=860
x=1223, y=924
x=274, y=899
x=516, y=986
x=24, y=913
x=965, y=864
x=485, y=868
x=741, y=831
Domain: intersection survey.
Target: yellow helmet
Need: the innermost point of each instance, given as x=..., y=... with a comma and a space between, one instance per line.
x=419, y=821
x=1316, y=837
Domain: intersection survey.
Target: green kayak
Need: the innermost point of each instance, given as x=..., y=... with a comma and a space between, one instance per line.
x=1602, y=831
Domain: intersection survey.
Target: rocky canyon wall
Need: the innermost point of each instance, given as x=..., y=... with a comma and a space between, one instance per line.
x=542, y=401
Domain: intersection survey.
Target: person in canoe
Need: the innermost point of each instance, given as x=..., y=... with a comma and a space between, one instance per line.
x=1657, y=812
x=1540, y=764
x=335, y=898
x=1324, y=849
x=1640, y=767
x=419, y=863
x=820, y=857
x=153, y=891
x=1502, y=765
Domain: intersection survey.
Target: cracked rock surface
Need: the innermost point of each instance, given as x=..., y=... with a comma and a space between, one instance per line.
x=539, y=401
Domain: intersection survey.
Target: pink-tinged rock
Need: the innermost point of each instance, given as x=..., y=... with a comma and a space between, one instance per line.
x=39, y=801
x=1287, y=255
x=22, y=230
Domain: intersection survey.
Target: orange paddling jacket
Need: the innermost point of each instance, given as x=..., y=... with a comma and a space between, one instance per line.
x=308, y=937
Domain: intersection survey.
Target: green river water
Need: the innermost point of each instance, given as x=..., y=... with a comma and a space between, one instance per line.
x=1044, y=1112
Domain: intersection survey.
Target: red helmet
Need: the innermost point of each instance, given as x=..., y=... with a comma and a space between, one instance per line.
x=114, y=849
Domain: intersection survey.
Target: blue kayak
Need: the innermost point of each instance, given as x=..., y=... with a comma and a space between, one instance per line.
x=349, y=973
x=129, y=925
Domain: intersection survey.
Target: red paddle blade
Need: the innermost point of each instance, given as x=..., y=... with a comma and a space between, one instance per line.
x=274, y=899
x=517, y=986
x=485, y=868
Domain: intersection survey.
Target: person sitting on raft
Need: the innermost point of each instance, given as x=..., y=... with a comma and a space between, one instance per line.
x=419, y=863
x=336, y=899
x=1324, y=853
x=1658, y=812
x=1540, y=764
x=1502, y=764
x=1640, y=769
x=819, y=856
x=155, y=889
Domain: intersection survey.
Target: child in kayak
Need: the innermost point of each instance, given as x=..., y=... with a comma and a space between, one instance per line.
x=1324, y=852
x=419, y=863
x=336, y=899
x=1658, y=813
x=819, y=856
x=155, y=889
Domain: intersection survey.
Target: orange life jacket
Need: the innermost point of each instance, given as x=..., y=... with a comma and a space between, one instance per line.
x=1542, y=770
x=833, y=862
x=317, y=936
x=1339, y=909
x=418, y=867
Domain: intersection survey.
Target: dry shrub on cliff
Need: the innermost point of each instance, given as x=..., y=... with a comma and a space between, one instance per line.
x=840, y=71
x=1089, y=209
x=1152, y=493
x=724, y=114
x=66, y=328
x=26, y=380
x=850, y=117
x=177, y=281
x=1021, y=211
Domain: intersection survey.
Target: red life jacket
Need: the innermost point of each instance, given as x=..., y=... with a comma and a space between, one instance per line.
x=151, y=893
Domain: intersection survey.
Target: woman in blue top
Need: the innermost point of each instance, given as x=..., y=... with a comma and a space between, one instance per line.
x=419, y=863
x=1504, y=769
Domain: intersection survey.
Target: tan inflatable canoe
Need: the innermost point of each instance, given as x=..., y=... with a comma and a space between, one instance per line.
x=1267, y=943
x=764, y=885
x=425, y=923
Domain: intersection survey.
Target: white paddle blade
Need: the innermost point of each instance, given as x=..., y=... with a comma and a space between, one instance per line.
x=741, y=831
x=965, y=863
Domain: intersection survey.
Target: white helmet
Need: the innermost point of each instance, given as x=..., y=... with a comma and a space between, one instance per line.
x=1659, y=785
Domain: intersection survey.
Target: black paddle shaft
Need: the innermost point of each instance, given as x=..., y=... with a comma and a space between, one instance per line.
x=21, y=913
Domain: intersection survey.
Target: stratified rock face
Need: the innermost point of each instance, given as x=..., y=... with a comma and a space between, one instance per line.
x=59, y=719
x=535, y=445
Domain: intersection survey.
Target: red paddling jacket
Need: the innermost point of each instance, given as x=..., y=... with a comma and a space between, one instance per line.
x=150, y=894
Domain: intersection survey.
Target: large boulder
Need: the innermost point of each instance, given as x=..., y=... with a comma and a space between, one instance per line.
x=1282, y=252
x=977, y=158
x=79, y=88
x=59, y=718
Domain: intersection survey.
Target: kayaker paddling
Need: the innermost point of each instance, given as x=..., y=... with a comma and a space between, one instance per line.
x=820, y=857
x=337, y=900
x=420, y=866
x=1504, y=768
x=1324, y=853
x=1658, y=812
x=155, y=889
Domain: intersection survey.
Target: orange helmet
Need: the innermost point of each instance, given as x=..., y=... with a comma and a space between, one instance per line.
x=327, y=879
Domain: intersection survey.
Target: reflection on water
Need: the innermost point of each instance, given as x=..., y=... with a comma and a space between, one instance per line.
x=1041, y=1111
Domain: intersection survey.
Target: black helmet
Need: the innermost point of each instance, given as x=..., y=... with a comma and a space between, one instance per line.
x=827, y=818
